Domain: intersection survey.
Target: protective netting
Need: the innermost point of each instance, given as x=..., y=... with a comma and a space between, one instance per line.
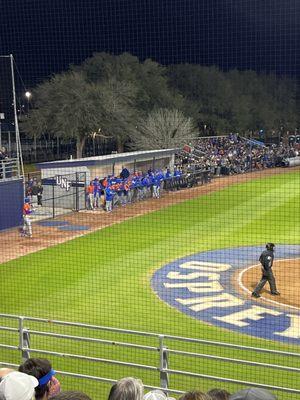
x=156, y=231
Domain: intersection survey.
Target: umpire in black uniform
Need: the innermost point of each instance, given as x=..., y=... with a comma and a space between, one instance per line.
x=266, y=259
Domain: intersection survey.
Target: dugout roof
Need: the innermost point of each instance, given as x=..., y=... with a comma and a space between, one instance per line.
x=109, y=159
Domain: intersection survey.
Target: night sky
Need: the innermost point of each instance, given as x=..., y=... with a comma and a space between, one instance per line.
x=46, y=36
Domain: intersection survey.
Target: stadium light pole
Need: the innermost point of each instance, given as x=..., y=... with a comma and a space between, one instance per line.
x=18, y=141
x=1, y=117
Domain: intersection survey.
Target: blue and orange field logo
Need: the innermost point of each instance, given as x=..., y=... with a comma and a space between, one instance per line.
x=205, y=286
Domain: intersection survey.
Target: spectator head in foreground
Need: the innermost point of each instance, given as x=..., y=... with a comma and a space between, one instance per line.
x=17, y=386
x=41, y=369
x=127, y=389
x=71, y=395
x=218, y=394
x=194, y=395
x=253, y=394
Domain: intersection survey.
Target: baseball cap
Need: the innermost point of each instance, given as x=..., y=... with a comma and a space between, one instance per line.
x=252, y=394
x=18, y=386
x=157, y=395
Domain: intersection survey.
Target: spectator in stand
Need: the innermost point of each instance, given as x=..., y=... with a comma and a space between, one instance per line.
x=218, y=394
x=15, y=385
x=252, y=394
x=232, y=154
x=71, y=395
x=3, y=153
x=41, y=369
x=194, y=395
x=127, y=389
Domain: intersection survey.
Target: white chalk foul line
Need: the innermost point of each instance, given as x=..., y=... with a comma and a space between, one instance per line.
x=240, y=282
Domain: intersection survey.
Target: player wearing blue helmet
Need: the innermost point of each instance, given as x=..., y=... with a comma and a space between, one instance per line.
x=27, y=210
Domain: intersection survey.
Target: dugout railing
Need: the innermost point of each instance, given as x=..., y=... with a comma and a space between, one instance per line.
x=25, y=337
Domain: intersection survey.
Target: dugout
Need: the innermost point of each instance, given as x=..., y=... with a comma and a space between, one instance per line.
x=110, y=164
x=55, y=172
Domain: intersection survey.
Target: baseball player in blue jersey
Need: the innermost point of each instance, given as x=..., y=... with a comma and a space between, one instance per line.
x=97, y=193
x=109, y=195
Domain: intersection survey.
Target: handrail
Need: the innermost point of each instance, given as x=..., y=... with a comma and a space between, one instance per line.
x=155, y=335
x=9, y=169
x=163, y=351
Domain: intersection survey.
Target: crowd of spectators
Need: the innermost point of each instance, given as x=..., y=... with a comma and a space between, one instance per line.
x=232, y=154
x=35, y=380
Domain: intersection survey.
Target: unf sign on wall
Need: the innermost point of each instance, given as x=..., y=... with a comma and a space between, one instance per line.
x=63, y=182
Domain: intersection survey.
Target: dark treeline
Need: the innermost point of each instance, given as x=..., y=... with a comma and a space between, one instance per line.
x=143, y=105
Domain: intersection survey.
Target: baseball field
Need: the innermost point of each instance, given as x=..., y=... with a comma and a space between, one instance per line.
x=105, y=278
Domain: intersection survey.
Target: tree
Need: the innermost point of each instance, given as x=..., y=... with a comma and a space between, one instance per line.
x=148, y=77
x=117, y=112
x=163, y=129
x=207, y=95
x=66, y=107
x=69, y=107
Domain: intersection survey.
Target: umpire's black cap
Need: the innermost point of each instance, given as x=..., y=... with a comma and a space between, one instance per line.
x=270, y=246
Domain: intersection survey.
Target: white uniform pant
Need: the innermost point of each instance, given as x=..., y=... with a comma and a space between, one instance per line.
x=91, y=201
x=27, y=230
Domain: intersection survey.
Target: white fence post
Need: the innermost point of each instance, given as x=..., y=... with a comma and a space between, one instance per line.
x=163, y=364
x=24, y=340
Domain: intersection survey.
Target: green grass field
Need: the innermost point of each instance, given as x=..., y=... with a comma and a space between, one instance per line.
x=104, y=278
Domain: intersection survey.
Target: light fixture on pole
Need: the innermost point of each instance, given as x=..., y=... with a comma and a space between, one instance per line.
x=28, y=97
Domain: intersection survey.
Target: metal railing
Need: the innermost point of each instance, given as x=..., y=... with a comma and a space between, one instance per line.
x=10, y=169
x=51, y=329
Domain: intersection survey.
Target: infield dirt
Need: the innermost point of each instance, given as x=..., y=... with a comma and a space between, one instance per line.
x=287, y=274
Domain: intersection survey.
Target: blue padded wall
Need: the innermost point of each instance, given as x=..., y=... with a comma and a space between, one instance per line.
x=11, y=202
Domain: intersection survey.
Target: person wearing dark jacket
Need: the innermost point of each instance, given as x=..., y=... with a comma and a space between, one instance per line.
x=266, y=259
